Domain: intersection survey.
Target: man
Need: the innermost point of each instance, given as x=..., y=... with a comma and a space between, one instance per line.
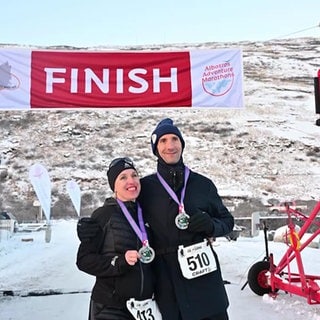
x=183, y=209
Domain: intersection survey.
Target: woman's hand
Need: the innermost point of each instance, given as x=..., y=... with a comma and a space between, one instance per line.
x=132, y=257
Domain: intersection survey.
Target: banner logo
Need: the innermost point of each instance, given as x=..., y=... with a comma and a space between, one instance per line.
x=217, y=79
x=8, y=81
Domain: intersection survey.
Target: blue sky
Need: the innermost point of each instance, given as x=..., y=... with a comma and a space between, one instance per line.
x=124, y=22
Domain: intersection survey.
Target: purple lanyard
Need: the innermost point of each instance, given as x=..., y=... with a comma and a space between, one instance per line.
x=141, y=233
x=172, y=193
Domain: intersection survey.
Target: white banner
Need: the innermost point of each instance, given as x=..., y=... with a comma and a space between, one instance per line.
x=216, y=77
x=73, y=190
x=40, y=181
x=53, y=79
x=15, y=79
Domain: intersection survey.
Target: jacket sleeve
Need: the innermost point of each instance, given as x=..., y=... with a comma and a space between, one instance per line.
x=90, y=260
x=223, y=221
x=96, y=264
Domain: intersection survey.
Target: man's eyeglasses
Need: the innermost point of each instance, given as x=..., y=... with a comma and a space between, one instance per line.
x=116, y=161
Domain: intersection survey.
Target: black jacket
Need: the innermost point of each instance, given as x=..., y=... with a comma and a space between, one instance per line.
x=200, y=297
x=103, y=257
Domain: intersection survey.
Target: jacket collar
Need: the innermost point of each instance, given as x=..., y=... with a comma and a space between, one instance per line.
x=173, y=174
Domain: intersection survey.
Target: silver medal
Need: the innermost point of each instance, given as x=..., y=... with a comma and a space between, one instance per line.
x=182, y=220
x=146, y=254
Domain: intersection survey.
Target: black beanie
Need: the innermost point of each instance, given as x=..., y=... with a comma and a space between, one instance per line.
x=116, y=167
x=165, y=126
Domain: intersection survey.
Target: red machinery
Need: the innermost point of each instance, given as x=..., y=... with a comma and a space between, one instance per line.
x=266, y=277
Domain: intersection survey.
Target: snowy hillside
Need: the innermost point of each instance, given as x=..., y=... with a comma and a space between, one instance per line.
x=269, y=150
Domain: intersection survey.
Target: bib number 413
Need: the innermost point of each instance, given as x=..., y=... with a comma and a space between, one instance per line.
x=144, y=310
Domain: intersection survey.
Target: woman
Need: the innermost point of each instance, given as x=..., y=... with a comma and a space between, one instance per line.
x=119, y=255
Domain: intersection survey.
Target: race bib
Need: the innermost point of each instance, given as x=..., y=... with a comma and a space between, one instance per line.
x=144, y=310
x=196, y=260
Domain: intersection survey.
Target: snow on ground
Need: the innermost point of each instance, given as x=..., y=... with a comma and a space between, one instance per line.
x=38, y=266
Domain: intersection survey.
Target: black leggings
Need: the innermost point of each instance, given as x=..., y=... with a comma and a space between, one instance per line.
x=100, y=312
x=221, y=316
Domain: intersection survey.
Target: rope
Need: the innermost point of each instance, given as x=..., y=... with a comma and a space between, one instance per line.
x=292, y=33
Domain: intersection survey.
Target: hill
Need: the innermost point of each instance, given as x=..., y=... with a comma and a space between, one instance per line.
x=269, y=150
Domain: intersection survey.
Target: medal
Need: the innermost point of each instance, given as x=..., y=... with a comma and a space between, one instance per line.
x=182, y=220
x=146, y=253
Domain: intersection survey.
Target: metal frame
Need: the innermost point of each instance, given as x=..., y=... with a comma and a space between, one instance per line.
x=280, y=277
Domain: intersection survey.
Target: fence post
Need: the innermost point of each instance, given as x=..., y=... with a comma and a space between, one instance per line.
x=6, y=228
x=255, y=224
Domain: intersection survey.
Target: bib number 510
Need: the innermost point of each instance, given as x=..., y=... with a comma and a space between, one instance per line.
x=196, y=260
x=201, y=260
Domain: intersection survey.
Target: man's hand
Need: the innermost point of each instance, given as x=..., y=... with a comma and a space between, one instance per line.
x=87, y=228
x=201, y=222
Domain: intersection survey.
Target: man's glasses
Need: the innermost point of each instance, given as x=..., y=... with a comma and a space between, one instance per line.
x=116, y=161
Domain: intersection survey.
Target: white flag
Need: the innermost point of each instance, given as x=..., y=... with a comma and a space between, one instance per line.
x=73, y=190
x=40, y=181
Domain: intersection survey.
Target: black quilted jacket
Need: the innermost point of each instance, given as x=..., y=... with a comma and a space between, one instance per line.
x=103, y=257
